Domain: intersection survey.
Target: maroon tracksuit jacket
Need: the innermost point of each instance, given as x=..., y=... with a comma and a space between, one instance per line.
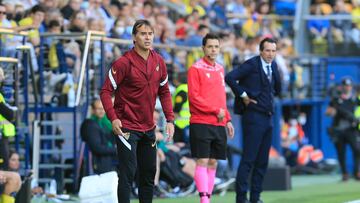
x=136, y=84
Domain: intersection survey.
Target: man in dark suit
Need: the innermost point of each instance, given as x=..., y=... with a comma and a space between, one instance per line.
x=255, y=83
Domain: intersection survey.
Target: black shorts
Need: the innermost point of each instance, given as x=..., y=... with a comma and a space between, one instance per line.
x=208, y=141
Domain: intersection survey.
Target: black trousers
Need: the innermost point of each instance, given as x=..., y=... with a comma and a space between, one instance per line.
x=257, y=136
x=350, y=137
x=138, y=152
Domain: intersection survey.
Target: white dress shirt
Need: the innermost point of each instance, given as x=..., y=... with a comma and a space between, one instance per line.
x=264, y=64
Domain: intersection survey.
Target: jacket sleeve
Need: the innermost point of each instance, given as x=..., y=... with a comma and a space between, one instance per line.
x=238, y=74
x=227, y=116
x=277, y=82
x=164, y=93
x=113, y=79
x=195, y=99
x=92, y=131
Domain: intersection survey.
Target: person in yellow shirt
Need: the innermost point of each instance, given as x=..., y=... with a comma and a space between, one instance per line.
x=191, y=5
x=251, y=27
x=9, y=42
x=181, y=110
x=33, y=22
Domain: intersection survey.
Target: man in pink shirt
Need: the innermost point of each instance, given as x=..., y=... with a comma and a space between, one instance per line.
x=209, y=116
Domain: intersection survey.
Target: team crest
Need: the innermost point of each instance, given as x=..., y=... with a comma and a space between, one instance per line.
x=157, y=68
x=208, y=75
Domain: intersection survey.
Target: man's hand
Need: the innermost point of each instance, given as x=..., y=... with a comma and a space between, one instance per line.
x=247, y=101
x=230, y=129
x=116, y=125
x=221, y=115
x=169, y=131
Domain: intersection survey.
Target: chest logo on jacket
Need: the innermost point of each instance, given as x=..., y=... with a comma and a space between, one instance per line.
x=208, y=75
x=157, y=68
x=113, y=71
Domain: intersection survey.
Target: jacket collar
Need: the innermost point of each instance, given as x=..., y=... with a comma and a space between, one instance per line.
x=146, y=67
x=263, y=77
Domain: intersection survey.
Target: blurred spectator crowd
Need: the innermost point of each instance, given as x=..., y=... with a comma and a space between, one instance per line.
x=179, y=23
x=240, y=23
x=337, y=26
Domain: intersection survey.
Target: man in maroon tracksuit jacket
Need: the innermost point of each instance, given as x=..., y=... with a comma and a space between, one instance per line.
x=137, y=78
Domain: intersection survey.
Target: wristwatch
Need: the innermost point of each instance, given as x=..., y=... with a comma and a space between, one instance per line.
x=171, y=121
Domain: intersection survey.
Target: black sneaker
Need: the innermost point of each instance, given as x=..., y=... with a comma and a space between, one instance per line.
x=157, y=192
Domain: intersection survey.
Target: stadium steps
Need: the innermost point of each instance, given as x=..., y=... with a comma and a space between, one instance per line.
x=56, y=145
x=53, y=137
x=48, y=180
x=319, y=78
x=51, y=166
x=316, y=69
x=55, y=151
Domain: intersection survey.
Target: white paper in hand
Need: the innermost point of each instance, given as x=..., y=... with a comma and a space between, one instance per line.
x=124, y=141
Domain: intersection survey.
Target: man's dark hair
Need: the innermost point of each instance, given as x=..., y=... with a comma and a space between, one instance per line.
x=195, y=11
x=93, y=102
x=140, y=23
x=37, y=8
x=267, y=39
x=209, y=36
x=201, y=27
x=117, y=4
x=148, y=3
x=54, y=23
x=12, y=151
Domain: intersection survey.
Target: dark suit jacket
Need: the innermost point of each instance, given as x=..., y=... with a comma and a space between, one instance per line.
x=251, y=78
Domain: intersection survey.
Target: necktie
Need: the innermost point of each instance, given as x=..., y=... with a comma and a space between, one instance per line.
x=268, y=73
